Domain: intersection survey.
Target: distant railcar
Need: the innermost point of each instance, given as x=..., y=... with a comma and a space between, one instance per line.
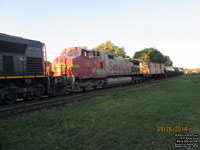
x=169, y=71
x=173, y=71
x=155, y=70
x=179, y=71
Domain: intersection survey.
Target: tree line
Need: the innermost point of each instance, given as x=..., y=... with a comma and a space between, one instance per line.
x=146, y=54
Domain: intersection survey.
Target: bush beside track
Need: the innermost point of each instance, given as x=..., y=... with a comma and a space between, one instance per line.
x=123, y=119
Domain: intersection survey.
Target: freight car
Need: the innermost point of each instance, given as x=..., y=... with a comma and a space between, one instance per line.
x=173, y=71
x=169, y=71
x=179, y=71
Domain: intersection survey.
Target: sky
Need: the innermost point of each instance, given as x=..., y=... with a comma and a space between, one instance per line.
x=171, y=26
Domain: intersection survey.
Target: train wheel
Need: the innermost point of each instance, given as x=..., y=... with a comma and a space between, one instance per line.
x=11, y=98
x=37, y=95
x=133, y=81
x=83, y=89
x=94, y=87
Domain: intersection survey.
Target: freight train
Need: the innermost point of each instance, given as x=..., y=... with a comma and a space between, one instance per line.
x=25, y=72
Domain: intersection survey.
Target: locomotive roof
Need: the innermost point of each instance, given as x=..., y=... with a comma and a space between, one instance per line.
x=87, y=49
x=97, y=51
x=10, y=44
x=15, y=39
x=136, y=59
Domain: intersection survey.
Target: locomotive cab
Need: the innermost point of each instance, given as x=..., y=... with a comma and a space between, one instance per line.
x=82, y=64
x=88, y=64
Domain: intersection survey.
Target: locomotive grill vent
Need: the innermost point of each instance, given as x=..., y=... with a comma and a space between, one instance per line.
x=34, y=66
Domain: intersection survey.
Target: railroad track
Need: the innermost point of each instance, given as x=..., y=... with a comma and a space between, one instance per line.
x=44, y=104
x=49, y=103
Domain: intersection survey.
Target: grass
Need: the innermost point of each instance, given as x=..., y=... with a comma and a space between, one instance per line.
x=124, y=119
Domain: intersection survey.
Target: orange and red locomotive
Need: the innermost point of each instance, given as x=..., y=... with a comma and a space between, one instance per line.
x=88, y=69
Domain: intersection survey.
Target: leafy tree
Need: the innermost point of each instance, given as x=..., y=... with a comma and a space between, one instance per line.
x=153, y=55
x=145, y=57
x=122, y=52
x=168, y=61
x=156, y=56
x=108, y=46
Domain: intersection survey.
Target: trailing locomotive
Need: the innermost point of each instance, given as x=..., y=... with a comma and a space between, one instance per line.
x=25, y=73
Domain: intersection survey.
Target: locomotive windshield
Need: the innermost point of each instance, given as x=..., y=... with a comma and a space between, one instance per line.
x=73, y=53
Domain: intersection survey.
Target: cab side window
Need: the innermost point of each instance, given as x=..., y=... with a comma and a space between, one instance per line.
x=90, y=54
x=101, y=65
x=94, y=53
x=110, y=56
x=85, y=53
